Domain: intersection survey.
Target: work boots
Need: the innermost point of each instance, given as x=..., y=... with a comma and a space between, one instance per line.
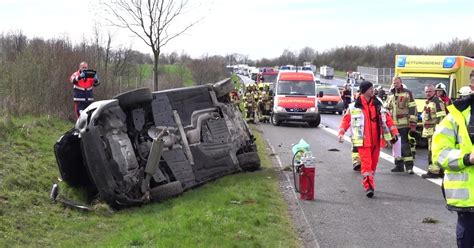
x=356, y=166
x=398, y=166
x=430, y=174
x=409, y=168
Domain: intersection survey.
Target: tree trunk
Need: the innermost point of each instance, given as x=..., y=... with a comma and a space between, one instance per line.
x=156, y=55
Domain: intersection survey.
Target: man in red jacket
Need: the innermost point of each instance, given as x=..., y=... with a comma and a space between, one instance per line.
x=84, y=81
x=371, y=125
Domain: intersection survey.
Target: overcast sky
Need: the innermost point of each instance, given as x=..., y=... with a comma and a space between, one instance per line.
x=261, y=28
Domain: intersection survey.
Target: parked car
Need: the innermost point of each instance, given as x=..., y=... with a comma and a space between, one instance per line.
x=142, y=146
x=331, y=100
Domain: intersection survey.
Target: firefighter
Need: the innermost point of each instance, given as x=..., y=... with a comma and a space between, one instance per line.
x=371, y=126
x=457, y=160
x=83, y=82
x=402, y=107
x=441, y=93
x=464, y=92
x=433, y=113
x=264, y=107
x=249, y=105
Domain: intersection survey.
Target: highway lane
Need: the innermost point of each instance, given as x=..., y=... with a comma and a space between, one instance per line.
x=342, y=216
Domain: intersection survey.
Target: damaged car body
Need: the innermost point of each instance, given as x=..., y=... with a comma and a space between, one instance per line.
x=143, y=146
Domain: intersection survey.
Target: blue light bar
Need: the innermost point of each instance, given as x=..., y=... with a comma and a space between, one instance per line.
x=449, y=62
x=401, y=61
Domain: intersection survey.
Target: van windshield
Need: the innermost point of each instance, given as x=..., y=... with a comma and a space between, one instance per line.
x=269, y=78
x=329, y=91
x=417, y=85
x=304, y=88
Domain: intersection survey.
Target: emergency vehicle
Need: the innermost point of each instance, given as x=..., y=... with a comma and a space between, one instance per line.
x=295, y=98
x=417, y=71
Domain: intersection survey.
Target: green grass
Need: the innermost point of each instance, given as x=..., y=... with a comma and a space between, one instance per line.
x=180, y=70
x=240, y=210
x=146, y=70
x=340, y=74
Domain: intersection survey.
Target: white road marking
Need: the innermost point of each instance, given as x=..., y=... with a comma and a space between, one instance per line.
x=294, y=194
x=418, y=171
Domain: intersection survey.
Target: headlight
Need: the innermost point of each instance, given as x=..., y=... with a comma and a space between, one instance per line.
x=311, y=110
x=277, y=109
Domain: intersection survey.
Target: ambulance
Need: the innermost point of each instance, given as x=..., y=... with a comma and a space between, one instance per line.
x=295, y=99
x=417, y=71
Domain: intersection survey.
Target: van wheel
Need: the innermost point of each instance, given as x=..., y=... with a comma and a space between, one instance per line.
x=223, y=87
x=249, y=161
x=133, y=98
x=274, y=120
x=166, y=191
x=316, y=122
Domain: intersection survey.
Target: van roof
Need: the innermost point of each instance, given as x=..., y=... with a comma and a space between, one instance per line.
x=296, y=76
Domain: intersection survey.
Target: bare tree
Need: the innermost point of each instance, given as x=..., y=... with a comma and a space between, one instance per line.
x=150, y=20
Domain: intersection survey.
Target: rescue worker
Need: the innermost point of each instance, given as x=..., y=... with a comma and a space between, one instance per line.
x=433, y=113
x=381, y=93
x=83, y=82
x=442, y=94
x=402, y=107
x=371, y=126
x=465, y=91
x=453, y=150
x=346, y=96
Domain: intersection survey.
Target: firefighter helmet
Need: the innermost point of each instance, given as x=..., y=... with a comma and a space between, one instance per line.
x=465, y=91
x=441, y=86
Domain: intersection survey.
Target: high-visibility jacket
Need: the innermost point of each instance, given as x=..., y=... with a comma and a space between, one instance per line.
x=369, y=123
x=82, y=87
x=402, y=106
x=451, y=148
x=433, y=112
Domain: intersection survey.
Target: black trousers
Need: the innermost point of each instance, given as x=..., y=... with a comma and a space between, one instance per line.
x=406, y=151
x=465, y=230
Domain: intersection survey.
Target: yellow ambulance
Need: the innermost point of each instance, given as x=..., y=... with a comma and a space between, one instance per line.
x=417, y=71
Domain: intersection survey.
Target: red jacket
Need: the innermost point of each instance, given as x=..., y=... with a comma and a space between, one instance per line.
x=373, y=127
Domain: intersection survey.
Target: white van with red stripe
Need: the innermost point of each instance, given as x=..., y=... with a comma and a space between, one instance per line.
x=295, y=98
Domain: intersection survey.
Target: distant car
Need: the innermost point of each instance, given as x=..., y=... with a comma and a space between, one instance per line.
x=143, y=146
x=331, y=100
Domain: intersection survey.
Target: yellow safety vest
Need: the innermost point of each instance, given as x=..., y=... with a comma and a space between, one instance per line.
x=451, y=141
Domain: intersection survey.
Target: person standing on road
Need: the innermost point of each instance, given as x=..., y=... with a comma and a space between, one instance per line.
x=371, y=126
x=453, y=149
x=433, y=113
x=84, y=81
x=403, y=109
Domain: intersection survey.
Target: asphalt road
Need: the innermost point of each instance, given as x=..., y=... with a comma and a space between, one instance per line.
x=342, y=216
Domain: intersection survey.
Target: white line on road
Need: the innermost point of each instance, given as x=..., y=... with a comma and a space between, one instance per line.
x=386, y=156
x=294, y=194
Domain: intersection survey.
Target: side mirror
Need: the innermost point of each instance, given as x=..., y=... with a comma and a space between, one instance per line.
x=321, y=94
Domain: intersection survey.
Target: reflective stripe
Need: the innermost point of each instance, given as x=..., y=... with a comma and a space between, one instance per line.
x=407, y=159
x=452, y=156
x=411, y=104
x=462, y=194
x=77, y=99
x=456, y=177
x=81, y=88
x=446, y=131
x=367, y=174
x=440, y=114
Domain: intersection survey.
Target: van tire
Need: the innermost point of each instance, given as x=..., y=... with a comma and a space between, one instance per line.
x=316, y=122
x=249, y=161
x=274, y=120
x=133, y=98
x=166, y=191
x=223, y=87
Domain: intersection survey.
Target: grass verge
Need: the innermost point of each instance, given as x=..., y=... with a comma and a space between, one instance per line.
x=341, y=74
x=240, y=210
